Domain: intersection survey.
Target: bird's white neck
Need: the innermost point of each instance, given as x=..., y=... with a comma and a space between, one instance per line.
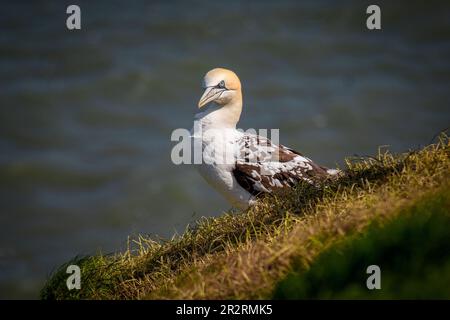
x=218, y=117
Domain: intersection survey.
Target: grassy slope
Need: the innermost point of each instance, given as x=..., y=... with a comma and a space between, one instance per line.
x=245, y=255
x=412, y=252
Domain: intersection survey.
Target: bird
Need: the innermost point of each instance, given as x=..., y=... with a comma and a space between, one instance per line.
x=243, y=166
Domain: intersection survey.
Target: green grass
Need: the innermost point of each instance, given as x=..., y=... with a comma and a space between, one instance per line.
x=412, y=252
x=243, y=255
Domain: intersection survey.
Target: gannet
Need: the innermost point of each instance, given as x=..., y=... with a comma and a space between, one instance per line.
x=240, y=165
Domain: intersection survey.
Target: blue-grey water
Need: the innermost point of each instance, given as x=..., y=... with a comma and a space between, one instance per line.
x=86, y=116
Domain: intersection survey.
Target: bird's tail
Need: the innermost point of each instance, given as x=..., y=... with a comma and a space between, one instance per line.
x=334, y=172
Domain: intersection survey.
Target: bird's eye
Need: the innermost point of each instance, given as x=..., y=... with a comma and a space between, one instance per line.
x=221, y=84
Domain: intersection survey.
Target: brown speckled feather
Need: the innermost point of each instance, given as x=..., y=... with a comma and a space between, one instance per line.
x=263, y=167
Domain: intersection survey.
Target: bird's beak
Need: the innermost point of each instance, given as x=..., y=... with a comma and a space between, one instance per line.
x=210, y=94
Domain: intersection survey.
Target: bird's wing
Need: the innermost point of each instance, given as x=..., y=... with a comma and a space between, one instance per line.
x=262, y=166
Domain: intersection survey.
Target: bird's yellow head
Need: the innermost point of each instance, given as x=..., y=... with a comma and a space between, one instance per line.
x=222, y=86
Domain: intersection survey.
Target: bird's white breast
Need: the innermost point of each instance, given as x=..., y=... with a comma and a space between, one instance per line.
x=219, y=152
